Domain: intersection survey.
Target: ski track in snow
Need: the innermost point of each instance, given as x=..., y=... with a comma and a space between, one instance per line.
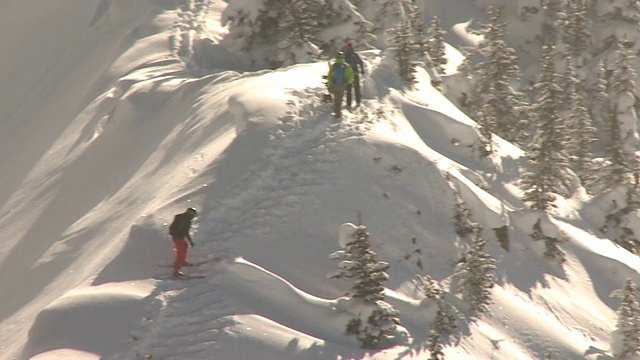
x=192, y=306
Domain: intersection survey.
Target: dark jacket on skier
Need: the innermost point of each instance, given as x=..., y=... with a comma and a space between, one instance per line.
x=357, y=65
x=181, y=225
x=354, y=60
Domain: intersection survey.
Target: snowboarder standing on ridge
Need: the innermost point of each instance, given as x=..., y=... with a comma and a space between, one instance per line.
x=340, y=75
x=179, y=231
x=354, y=60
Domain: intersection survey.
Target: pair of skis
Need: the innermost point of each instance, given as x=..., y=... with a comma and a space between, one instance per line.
x=189, y=276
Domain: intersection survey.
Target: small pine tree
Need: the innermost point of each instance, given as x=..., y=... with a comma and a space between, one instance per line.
x=551, y=244
x=476, y=275
x=428, y=286
x=627, y=334
x=462, y=224
x=359, y=262
x=617, y=221
x=435, y=347
x=380, y=325
x=446, y=318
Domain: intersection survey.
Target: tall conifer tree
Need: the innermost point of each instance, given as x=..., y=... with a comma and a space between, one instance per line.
x=622, y=129
x=547, y=156
x=404, y=50
x=436, y=45
x=495, y=103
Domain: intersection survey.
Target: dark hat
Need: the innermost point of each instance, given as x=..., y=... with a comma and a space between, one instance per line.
x=192, y=211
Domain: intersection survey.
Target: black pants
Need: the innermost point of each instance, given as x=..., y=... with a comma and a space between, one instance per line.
x=355, y=87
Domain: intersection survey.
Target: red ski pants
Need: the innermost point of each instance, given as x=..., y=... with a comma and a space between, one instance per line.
x=181, y=252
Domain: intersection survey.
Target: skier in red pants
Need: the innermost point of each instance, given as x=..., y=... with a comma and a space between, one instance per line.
x=179, y=231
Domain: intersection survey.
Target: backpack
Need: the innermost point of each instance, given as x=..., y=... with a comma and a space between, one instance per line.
x=339, y=73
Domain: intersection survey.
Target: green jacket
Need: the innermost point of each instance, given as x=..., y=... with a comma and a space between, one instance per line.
x=348, y=73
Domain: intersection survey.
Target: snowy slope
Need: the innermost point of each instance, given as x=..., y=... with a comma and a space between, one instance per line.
x=105, y=135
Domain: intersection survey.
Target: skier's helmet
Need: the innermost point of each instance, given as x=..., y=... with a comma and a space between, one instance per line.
x=192, y=211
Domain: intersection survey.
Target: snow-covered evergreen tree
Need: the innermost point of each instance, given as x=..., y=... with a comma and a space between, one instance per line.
x=548, y=159
x=475, y=275
x=271, y=33
x=254, y=30
x=384, y=15
x=405, y=51
x=445, y=321
x=299, y=24
x=582, y=159
x=577, y=44
x=435, y=346
x=626, y=338
x=354, y=27
x=446, y=318
x=428, y=286
x=190, y=22
x=495, y=103
x=379, y=328
x=418, y=29
x=422, y=45
x=599, y=101
x=576, y=35
x=616, y=27
x=617, y=21
x=436, y=45
x=359, y=262
x=552, y=248
x=550, y=32
x=462, y=224
x=581, y=133
x=623, y=120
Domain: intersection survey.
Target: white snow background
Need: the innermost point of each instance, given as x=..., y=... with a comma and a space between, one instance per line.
x=105, y=135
